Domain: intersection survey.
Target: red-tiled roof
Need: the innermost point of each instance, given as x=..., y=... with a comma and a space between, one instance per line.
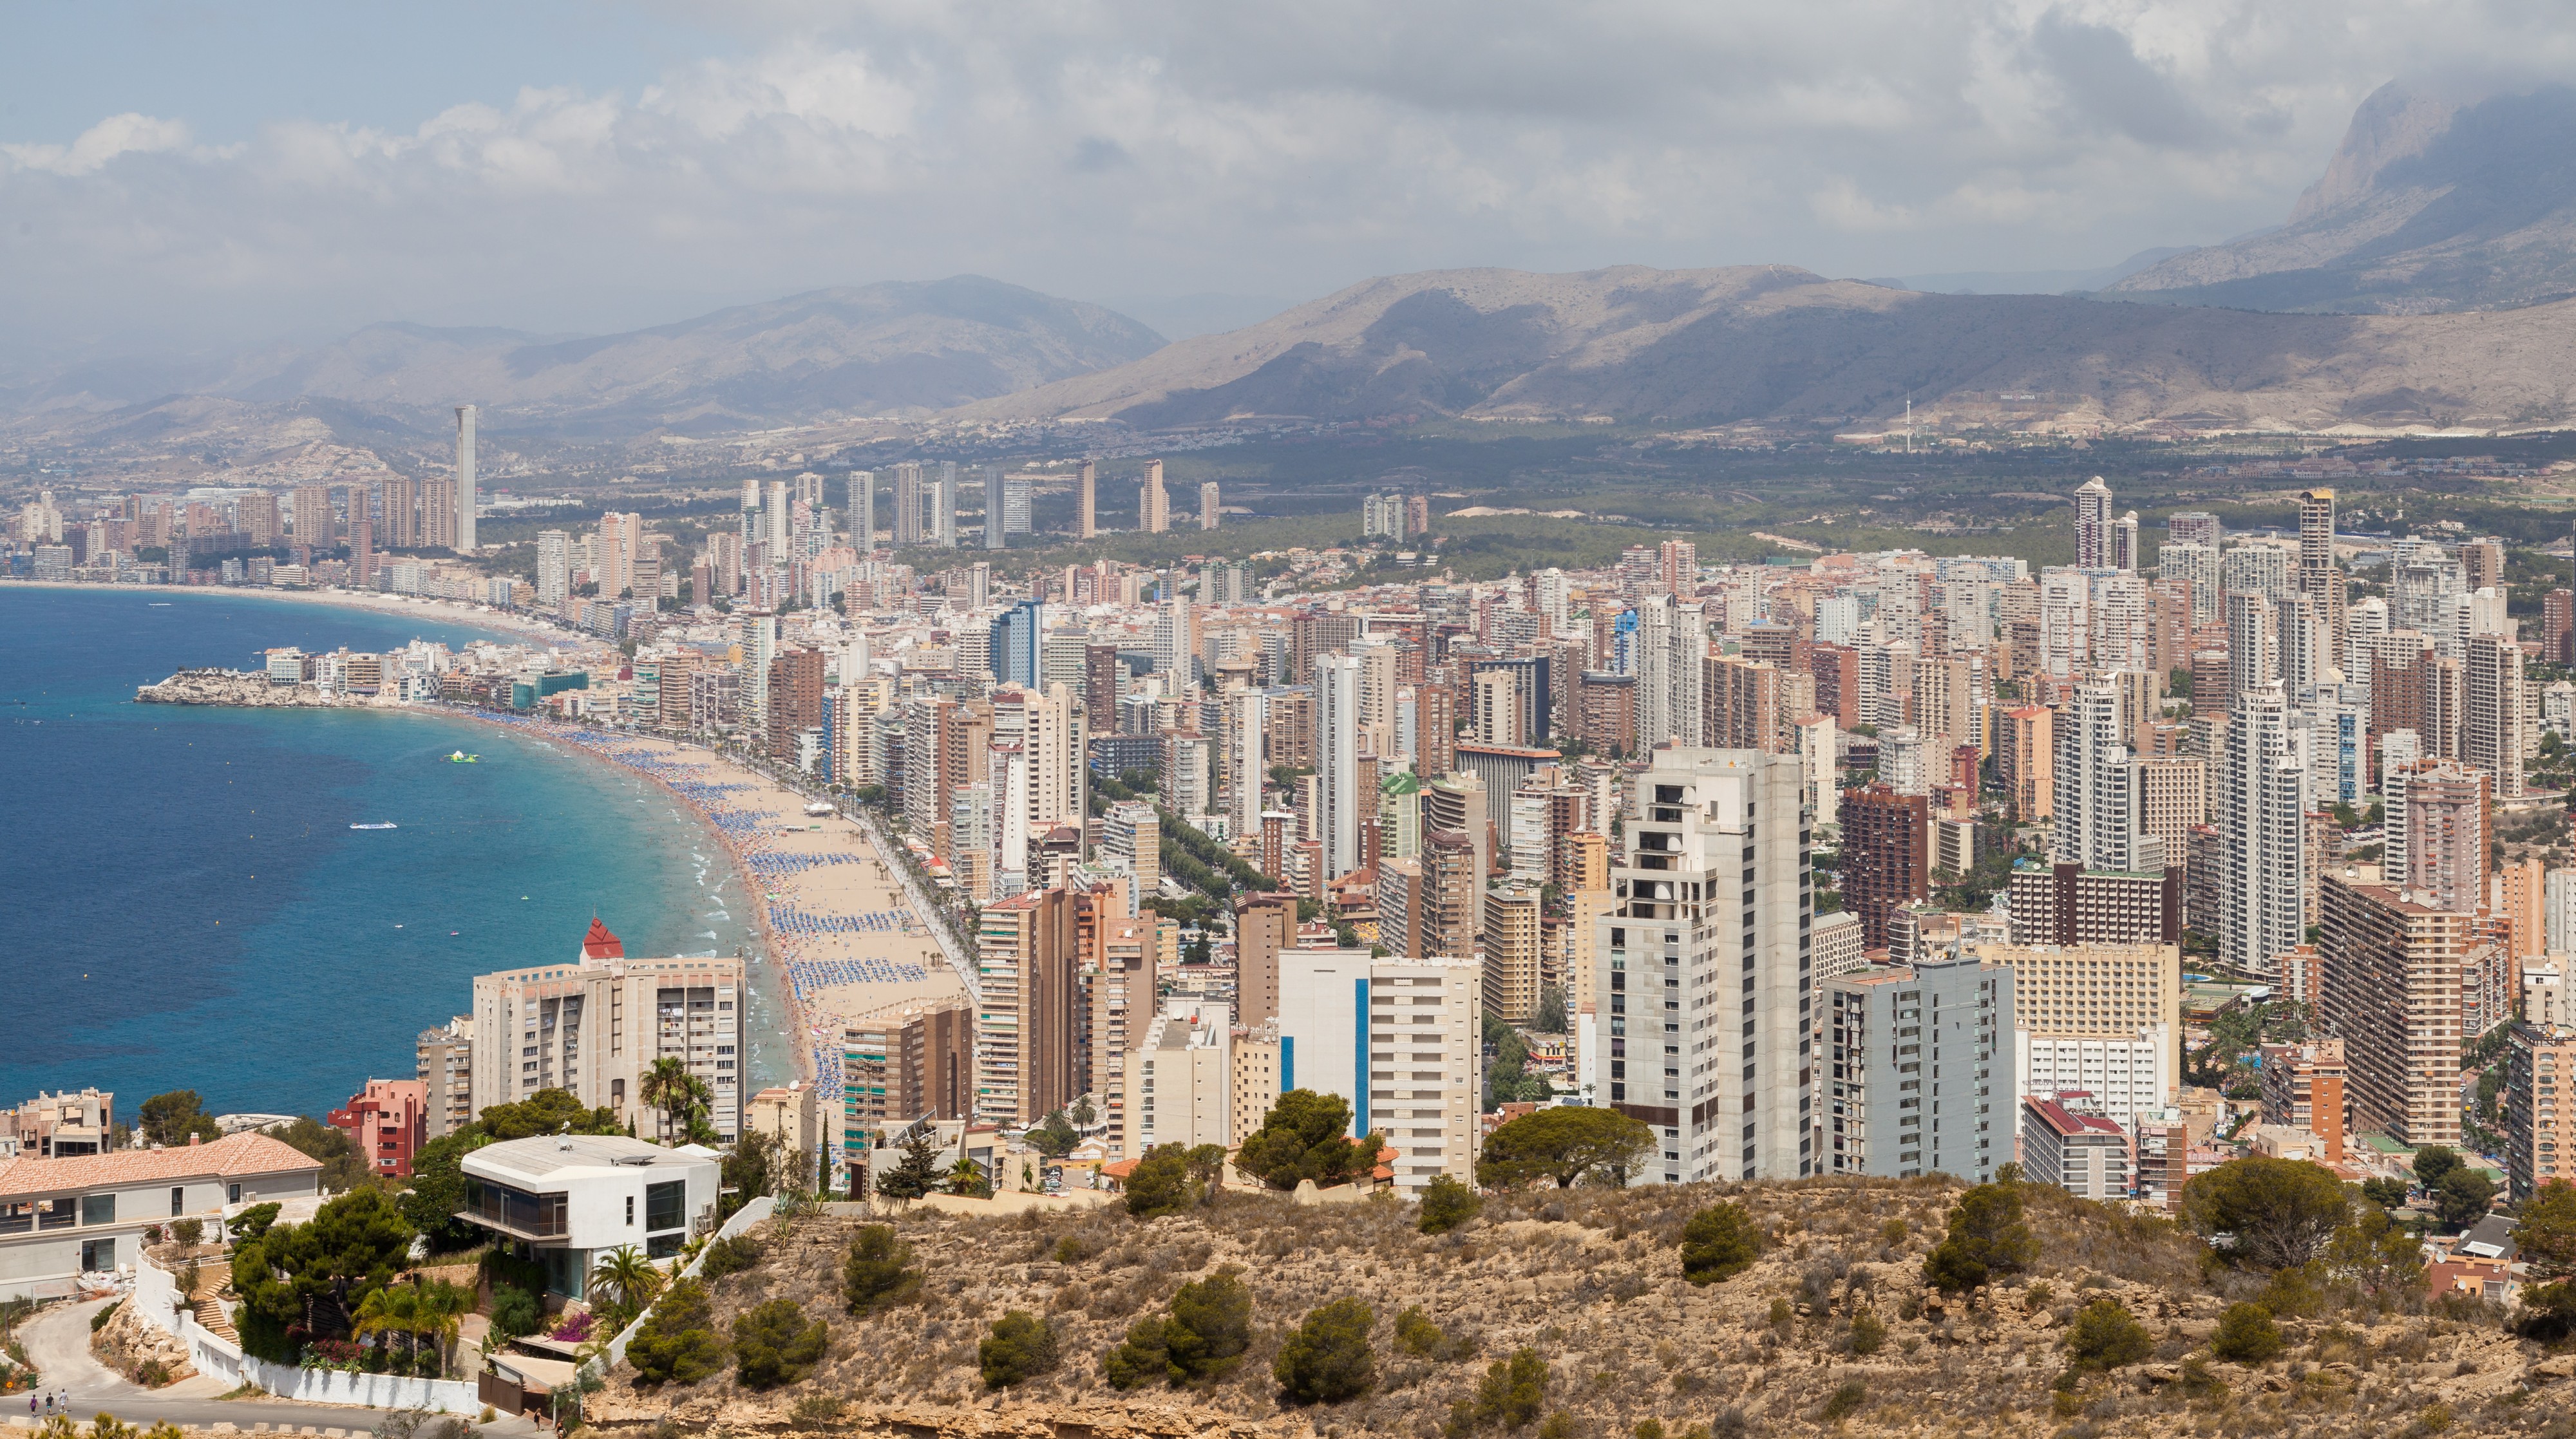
x=231, y=1155
x=2066, y=1121
x=600, y=944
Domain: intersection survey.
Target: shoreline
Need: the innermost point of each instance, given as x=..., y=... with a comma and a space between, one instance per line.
x=460, y=613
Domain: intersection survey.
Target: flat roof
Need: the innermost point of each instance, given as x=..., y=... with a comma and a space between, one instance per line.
x=547, y=1156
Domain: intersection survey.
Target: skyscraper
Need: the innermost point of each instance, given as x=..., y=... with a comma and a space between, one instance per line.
x=1015, y=644
x=1728, y=1094
x=2124, y=542
x=863, y=510
x=1086, y=521
x=1340, y=804
x=554, y=566
x=1153, y=501
x=943, y=507
x=1671, y=639
x=2316, y=532
x=2093, y=525
x=2261, y=807
x=907, y=504
x=995, y=530
x=1207, y=505
x=2491, y=722
x=466, y=498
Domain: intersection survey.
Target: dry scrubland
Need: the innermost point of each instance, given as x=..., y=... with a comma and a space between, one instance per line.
x=1589, y=1279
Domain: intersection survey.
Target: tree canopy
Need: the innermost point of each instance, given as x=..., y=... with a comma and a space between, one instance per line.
x=353, y=1247
x=1565, y=1144
x=1986, y=1238
x=168, y=1119
x=1307, y=1136
x=2276, y=1213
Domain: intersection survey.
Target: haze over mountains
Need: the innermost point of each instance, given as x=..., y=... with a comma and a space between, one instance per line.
x=2424, y=279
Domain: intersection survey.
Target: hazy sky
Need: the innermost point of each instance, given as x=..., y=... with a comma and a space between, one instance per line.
x=198, y=174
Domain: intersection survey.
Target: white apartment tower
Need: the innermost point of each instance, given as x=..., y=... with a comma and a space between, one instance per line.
x=554, y=566
x=465, y=496
x=1703, y=992
x=1153, y=501
x=1672, y=638
x=2261, y=809
x=596, y=1024
x=863, y=509
x=2093, y=525
x=1339, y=804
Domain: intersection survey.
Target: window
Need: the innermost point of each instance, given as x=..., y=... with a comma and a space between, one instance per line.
x=178, y=1199
x=630, y=1211
x=666, y=1205
x=97, y=1255
x=232, y=1194
x=98, y=1209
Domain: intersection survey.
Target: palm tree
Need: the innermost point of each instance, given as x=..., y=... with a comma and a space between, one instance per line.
x=626, y=1281
x=670, y=1088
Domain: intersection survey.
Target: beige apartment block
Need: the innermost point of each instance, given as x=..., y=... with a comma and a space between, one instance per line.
x=2095, y=991
x=1512, y=957
x=1426, y=1066
x=597, y=1025
x=1180, y=1079
x=444, y=1061
x=2391, y=963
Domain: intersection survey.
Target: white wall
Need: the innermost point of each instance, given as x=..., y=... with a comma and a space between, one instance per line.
x=155, y=1300
x=1323, y=1004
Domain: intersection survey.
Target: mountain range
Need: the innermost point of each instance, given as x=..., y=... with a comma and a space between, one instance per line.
x=2424, y=279
x=2435, y=201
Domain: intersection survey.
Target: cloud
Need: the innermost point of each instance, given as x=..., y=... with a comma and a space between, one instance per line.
x=127, y=134
x=1101, y=147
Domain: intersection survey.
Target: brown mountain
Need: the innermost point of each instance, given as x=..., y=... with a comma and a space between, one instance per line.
x=2435, y=201
x=1776, y=343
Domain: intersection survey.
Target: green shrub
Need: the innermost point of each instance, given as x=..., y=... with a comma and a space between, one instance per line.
x=1416, y=1335
x=677, y=1342
x=2107, y=1336
x=876, y=1274
x=1894, y=1232
x=1446, y=1204
x=2246, y=1335
x=1513, y=1390
x=1867, y=1333
x=1647, y=1429
x=516, y=1312
x=99, y=1320
x=1329, y=1358
x=1160, y=1183
x=1719, y=1243
x=1204, y=1336
x=1986, y=1239
x=1844, y=1402
x=728, y=1256
x=773, y=1345
x=1021, y=1346
x=189, y=1232
x=254, y=1221
x=820, y=1408
x=1559, y=1425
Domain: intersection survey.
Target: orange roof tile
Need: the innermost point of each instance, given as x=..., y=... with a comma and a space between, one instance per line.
x=231, y=1155
x=600, y=944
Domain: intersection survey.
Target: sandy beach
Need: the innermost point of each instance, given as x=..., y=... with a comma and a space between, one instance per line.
x=830, y=913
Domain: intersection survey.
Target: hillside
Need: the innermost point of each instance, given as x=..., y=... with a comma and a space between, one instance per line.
x=2435, y=201
x=873, y=350
x=1775, y=343
x=1588, y=1280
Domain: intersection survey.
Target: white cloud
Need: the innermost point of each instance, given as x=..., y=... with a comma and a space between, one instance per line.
x=1164, y=146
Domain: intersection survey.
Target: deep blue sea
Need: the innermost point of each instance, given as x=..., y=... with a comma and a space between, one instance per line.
x=184, y=906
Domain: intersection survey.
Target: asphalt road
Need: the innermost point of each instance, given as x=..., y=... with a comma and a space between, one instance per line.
x=58, y=1342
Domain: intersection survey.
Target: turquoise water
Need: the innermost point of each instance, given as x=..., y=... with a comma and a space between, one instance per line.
x=186, y=907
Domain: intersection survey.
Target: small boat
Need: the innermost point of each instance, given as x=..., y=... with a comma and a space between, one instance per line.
x=157, y=605
x=461, y=757
x=380, y=824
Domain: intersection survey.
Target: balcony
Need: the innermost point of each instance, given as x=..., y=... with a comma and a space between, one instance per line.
x=515, y=1212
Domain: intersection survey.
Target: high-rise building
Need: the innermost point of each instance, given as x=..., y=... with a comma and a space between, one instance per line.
x=466, y=497
x=1703, y=1001
x=2303, y=1088
x=996, y=529
x=906, y=1062
x=863, y=510
x=2492, y=717
x=1208, y=508
x=2099, y=992
x=1014, y=644
x=943, y=507
x=1086, y=517
x=1339, y=802
x=795, y=700
x=1671, y=640
x=1886, y=859
x=1412, y=1068
x=313, y=522
x=907, y=504
x=2316, y=536
x=597, y=1024
x=444, y=1064
x=2540, y=1130
x=2261, y=810
x=402, y=516
x=2391, y=989
x=2093, y=525
x=554, y=566
x=2193, y=527
x=1921, y=1070
x=1153, y=501
x=1179, y=1079
x=2438, y=832
x=1513, y=961
x=2124, y=542
x=1028, y=1049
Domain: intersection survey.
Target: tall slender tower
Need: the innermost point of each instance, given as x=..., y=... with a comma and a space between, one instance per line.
x=1087, y=526
x=2093, y=525
x=1337, y=738
x=465, y=496
x=993, y=526
x=1153, y=502
x=863, y=509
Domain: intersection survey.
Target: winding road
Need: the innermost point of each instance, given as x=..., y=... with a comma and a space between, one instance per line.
x=58, y=1342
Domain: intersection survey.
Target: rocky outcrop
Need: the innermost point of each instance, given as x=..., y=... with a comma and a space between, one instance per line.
x=237, y=689
x=143, y=1352
x=1007, y=1420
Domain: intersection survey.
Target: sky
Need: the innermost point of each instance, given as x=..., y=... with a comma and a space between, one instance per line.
x=205, y=177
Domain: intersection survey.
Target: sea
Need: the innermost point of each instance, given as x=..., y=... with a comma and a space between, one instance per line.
x=183, y=904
